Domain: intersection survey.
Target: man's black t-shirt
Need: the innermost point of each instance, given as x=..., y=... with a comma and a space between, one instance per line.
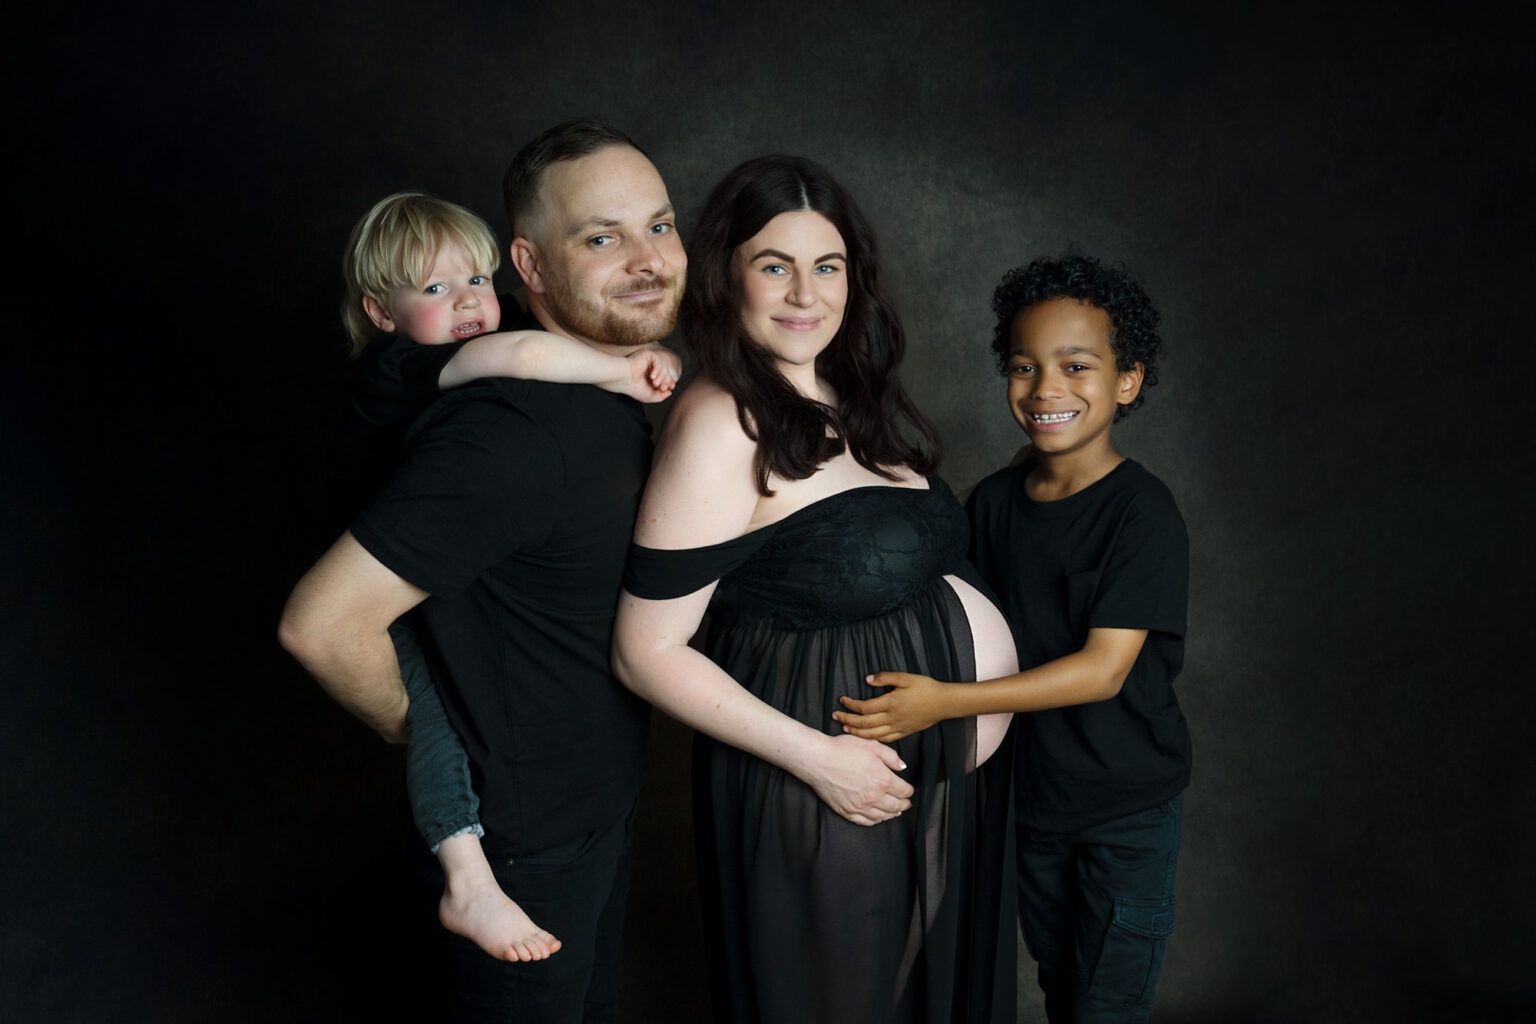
x=1113, y=555
x=512, y=504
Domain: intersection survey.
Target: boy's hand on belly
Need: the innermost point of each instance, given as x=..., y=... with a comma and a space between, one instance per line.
x=912, y=705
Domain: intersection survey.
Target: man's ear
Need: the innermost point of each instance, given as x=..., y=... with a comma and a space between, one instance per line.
x=378, y=314
x=525, y=257
x=1129, y=385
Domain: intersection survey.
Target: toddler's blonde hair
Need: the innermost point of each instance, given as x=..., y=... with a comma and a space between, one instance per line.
x=396, y=243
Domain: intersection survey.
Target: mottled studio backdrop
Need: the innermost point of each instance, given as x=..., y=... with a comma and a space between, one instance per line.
x=1332, y=210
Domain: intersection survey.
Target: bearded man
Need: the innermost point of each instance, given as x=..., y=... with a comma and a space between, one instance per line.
x=506, y=525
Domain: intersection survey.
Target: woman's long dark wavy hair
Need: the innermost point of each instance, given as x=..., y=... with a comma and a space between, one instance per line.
x=796, y=434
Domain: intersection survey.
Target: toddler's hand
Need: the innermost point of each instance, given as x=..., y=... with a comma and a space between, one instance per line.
x=653, y=373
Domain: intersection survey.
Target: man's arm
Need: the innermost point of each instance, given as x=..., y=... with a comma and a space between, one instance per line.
x=336, y=623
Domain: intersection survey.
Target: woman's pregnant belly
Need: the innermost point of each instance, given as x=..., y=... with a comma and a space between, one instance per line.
x=995, y=656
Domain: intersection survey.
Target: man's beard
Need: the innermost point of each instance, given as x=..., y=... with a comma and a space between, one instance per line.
x=600, y=322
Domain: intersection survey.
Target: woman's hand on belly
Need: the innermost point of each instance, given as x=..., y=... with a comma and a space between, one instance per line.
x=857, y=779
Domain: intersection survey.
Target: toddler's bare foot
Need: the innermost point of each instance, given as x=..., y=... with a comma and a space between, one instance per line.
x=483, y=914
x=474, y=906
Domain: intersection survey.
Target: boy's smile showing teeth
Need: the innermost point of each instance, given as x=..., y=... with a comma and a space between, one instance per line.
x=1048, y=418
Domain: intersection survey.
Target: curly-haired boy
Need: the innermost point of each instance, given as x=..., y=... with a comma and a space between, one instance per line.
x=1088, y=555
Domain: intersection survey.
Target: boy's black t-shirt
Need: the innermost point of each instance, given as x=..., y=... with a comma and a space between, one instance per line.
x=1113, y=555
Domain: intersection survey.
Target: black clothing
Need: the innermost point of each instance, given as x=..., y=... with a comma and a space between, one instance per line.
x=512, y=505
x=812, y=918
x=1113, y=555
x=1097, y=909
x=577, y=891
x=393, y=381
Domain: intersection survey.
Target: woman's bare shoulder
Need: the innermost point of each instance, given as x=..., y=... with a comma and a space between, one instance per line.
x=703, y=398
x=704, y=412
x=701, y=488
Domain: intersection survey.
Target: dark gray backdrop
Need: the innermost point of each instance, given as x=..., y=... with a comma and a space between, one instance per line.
x=1330, y=208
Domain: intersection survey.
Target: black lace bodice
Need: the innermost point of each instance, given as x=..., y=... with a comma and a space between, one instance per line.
x=852, y=556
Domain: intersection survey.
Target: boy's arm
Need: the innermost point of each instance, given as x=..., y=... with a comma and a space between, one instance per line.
x=336, y=623
x=648, y=374
x=915, y=702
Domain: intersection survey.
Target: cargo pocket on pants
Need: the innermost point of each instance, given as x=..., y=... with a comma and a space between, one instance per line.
x=1133, y=952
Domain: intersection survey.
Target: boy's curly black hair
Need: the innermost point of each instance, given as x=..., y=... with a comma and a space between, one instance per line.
x=1133, y=322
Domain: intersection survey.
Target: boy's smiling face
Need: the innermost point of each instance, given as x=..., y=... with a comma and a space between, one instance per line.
x=455, y=302
x=1063, y=387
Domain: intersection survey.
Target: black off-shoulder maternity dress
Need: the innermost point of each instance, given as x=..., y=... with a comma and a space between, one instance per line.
x=811, y=918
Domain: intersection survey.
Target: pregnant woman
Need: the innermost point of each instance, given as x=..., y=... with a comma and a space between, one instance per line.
x=792, y=498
